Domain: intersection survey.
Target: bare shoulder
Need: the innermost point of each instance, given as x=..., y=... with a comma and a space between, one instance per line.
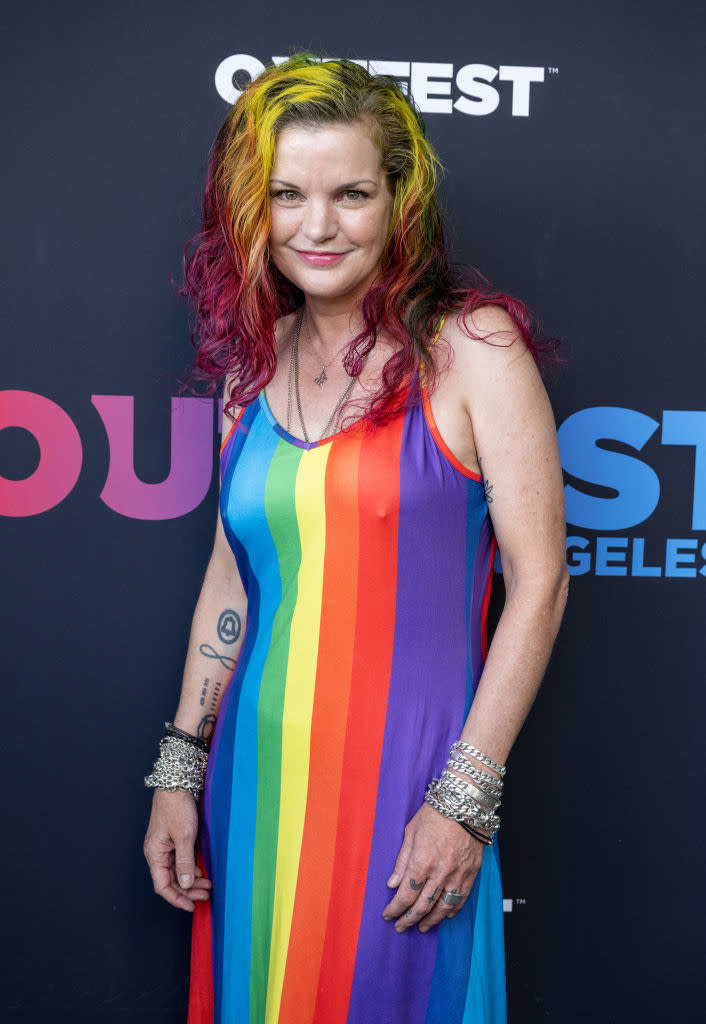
x=486, y=344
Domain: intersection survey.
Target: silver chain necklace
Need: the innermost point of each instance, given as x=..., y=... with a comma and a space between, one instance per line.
x=294, y=373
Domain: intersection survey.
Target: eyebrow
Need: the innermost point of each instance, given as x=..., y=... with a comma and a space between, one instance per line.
x=339, y=188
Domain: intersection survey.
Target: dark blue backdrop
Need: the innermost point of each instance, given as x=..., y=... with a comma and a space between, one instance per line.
x=589, y=206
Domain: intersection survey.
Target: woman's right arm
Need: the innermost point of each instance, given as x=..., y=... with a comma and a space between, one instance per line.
x=216, y=636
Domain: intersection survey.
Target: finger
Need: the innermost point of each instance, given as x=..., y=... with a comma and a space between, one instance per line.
x=165, y=885
x=423, y=905
x=177, y=898
x=198, y=891
x=407, y=893
x=451, y=899
x=403, y=856
x=184, y=861
x=201, y=883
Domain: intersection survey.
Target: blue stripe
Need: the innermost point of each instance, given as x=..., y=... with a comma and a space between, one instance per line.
x=243, y=502
x=485, y=1002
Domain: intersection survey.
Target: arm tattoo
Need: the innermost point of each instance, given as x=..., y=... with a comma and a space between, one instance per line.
x=486, y=484
x=206, y=727
x=211, y=652
x=229, y=626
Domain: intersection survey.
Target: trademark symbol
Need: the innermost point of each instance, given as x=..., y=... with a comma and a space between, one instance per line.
x=553, y=71
x=520, y=902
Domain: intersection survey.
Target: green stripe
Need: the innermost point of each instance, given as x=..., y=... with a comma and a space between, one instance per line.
x=280, y=510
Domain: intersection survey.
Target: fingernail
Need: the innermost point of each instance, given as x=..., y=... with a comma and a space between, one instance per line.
x=393, y=880
x=185, y=881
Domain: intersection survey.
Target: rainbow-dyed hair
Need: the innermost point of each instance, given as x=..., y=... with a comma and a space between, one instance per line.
x=238, y=292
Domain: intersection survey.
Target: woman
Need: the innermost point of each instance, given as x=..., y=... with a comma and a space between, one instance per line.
x=383, y=431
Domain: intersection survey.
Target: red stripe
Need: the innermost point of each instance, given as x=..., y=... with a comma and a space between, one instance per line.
x=486, y=600
x=378, y=504
x=441, y=444
x=235, y=424
x=201, y=1009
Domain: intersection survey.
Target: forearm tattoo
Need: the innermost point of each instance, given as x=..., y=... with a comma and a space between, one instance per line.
x=229, y=626
x=228, y=629
x=206, y=727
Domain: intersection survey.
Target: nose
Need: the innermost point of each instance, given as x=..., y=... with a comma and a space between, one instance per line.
x=319, y=221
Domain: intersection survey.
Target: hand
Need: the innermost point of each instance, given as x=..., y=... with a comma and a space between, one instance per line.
x=437, y=857
x=169, y=849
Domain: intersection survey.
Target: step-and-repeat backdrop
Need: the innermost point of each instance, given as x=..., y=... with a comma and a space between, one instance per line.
x=573, y=143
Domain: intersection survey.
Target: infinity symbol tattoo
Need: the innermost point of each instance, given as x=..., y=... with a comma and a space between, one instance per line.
x=211, y=652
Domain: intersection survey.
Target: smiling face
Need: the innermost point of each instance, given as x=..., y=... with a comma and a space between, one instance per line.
x=330, y=205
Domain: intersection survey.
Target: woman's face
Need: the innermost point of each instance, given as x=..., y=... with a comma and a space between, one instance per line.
x=330, y=206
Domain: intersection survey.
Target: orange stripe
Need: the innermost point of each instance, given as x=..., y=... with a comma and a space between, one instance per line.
x=373, y=644
x=486, y=600
x=328, y=730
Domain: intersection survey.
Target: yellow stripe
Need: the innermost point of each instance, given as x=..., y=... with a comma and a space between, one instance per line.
x=298, y=705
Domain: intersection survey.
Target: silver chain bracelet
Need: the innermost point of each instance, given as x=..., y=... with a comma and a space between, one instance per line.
x=479, y=756
x=472, y=805
x=181, y=766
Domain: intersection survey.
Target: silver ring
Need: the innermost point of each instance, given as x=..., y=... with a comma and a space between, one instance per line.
x=454, y=897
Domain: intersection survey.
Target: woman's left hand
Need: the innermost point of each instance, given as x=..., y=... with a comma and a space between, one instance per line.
x=437, y=857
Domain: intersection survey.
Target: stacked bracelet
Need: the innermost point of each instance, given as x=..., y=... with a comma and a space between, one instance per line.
x=181, y=765
x=466, y=748
x=172, y=730
x=473, y=804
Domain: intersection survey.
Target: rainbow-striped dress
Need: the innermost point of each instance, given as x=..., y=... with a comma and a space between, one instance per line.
x=367, y=559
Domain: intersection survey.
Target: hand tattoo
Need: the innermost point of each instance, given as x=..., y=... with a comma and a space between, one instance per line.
x=414, y=884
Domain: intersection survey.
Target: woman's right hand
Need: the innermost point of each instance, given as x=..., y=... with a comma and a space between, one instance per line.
x=169, y=849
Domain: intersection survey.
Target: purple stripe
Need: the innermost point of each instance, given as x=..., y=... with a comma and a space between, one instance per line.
x=425, y=713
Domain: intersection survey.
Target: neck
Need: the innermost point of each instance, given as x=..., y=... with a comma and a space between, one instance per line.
x=330, y=328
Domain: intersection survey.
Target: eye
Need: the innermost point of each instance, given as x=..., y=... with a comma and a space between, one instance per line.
x=354, y=195
x=288, y=195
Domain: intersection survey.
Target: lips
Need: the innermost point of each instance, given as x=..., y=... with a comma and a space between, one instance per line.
x=320, y=259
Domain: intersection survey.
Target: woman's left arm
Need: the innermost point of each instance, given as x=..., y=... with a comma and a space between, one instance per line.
x=515, y=440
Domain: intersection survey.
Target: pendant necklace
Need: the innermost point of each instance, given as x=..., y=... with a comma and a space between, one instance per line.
x=323, y=376
x=294, y=375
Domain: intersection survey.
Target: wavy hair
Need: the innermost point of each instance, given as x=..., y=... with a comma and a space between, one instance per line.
x=237, y=291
